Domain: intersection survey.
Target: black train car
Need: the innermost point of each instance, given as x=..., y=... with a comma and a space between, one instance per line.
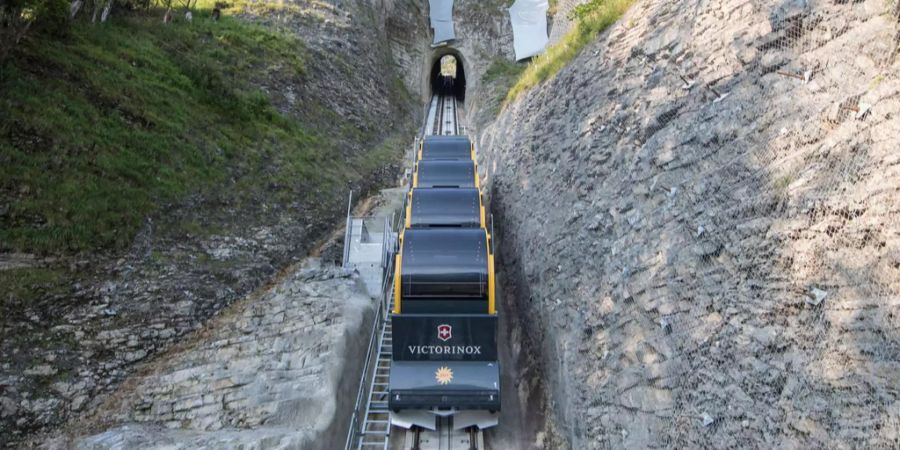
x=446, y=173
x=445, y=207
x=445, y=357
x=446, y=147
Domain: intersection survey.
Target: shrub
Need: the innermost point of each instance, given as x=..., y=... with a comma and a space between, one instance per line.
x=590, y=20
x=18, y=17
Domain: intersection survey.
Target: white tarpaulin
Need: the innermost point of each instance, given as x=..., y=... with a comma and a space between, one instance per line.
x=529, y=24
x=441, y=12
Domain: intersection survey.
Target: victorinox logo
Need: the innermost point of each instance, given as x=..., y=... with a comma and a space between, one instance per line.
x=445, y=332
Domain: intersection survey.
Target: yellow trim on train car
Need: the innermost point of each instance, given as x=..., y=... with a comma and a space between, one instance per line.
x=483, y=224
x=409, y=214
x=492, y=308
x=409, y=197
x=472, y=150
x=477, y=180
x=416, y=177
x=397, y=283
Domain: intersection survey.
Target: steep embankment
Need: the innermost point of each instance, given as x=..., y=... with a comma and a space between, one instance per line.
x=153, y=174
x=701, y=214
x=272, y=370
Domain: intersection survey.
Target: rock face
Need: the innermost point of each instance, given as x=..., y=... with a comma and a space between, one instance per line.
x=278, y=371
x=701, y=216
x=59, y=356
x=483, y=34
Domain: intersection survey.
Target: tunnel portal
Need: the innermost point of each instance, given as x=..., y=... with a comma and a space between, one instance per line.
x=448, y=76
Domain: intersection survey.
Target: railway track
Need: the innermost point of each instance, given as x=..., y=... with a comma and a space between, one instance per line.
x=448, y=119
x=443, y=116
x=371, y=424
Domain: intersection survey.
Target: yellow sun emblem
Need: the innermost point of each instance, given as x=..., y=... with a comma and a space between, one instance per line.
x=444, y=375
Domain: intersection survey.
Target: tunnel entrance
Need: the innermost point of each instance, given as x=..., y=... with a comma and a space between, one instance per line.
x=448, y=77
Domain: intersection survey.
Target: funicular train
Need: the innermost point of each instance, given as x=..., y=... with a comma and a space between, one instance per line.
x=445, y=360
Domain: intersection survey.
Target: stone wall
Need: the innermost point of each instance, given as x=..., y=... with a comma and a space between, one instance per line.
x=483, y=34
x=701, y=216
x=278, y=371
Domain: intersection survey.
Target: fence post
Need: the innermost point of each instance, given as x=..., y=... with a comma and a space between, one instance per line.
x=346, y=257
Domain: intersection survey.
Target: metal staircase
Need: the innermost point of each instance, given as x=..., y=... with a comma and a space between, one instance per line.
x=370, y=425
x=376, y=427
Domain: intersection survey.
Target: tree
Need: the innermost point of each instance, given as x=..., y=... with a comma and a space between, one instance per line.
x=18, y=17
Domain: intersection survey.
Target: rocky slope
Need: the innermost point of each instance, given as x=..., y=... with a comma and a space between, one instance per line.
x=483, y=35
x=698, y=224
x=700, y=214
x=73, y=344
x=262, y=375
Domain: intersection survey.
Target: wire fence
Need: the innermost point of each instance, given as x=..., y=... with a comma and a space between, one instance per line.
x=840, y=302
x=816, y=315
x=562, y=19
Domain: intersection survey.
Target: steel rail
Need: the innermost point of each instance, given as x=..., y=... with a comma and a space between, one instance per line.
x=370, y=426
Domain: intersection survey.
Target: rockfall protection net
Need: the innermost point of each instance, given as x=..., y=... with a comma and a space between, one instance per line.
x=562, y=20
x=836, y=319
x=715, y=187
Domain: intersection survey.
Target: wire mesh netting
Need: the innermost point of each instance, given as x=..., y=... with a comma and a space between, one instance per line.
x=736, y=280
x=562, y=19
x=836, y=316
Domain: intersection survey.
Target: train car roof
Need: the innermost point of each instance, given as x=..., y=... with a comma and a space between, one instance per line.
x=447, y=147
x=444, y=263
x=445, y=173
x=445, y=207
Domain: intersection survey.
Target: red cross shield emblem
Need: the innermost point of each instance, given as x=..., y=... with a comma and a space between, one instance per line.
x=444, y=332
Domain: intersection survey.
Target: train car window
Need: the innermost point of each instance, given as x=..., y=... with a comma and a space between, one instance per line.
x=446, y=147
x=444, y=263
x=445, y=207
x=444, y=173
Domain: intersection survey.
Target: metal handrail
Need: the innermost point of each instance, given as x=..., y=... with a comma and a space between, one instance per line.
x=354, y=419
x=381, y=315
x=355, y=426
x=346, y=258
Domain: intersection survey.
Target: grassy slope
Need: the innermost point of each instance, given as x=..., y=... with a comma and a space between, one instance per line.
x=99, y=128
x=106, y=125
x=594, y=18
x=502, y=73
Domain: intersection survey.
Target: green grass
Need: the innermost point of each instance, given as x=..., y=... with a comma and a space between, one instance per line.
x=383, y=154
x=101, y=127
x=503, y=73
x=23, y=286
x=502, y=69
x=592, y=18
x=781, y=184
x=310, y=9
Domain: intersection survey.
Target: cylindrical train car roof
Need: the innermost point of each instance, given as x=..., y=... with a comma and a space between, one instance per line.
x=444, y=263
x=445, y=207
x=445, y=173
x=446, y=147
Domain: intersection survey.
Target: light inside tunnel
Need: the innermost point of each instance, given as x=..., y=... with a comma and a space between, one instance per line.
x=448, y=66
x=448, y=76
